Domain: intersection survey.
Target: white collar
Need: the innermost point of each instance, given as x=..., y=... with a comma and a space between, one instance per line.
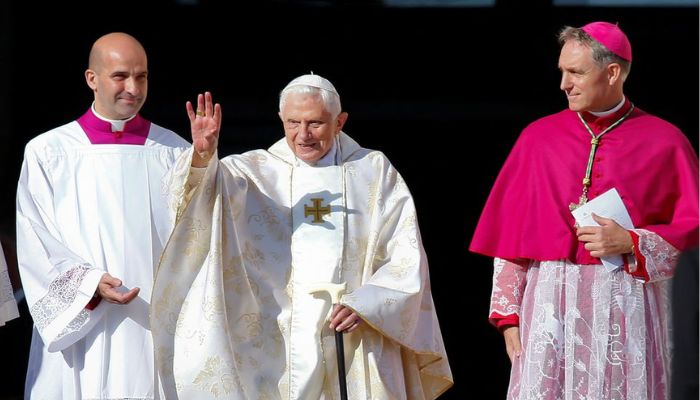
x=117, y=124
x=610, y=111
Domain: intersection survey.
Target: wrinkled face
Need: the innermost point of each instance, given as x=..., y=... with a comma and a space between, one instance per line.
x=587, y=86
x=120, y=82
x=308, y=127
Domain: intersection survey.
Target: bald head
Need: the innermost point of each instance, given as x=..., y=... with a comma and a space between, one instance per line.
x=111, y=43
x=118, y=75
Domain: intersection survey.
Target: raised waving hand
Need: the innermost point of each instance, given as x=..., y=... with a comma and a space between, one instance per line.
x=205, y=124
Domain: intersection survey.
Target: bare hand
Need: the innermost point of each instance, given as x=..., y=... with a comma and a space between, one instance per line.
x=511, y=335
x=344, y=319
x=107, y=290
x=205, y=124
x=605, y=240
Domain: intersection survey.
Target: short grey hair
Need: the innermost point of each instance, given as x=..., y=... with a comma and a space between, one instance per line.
x=601, y=55
x=331, y=101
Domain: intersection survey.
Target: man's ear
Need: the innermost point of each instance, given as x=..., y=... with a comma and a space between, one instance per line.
x=90, y=77
x=614, y=73
x=341, y=121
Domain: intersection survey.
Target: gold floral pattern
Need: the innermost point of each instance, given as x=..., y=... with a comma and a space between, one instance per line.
x=241, y=295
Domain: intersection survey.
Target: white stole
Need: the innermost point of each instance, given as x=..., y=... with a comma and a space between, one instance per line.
x=318, y=234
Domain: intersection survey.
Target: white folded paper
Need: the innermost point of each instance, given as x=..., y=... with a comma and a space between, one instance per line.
x=608, y=205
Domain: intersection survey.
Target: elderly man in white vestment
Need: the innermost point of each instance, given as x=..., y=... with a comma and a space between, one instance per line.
x=92, y=220
x=232, y=311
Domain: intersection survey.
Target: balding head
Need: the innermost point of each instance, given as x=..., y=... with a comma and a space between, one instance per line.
x=118, y=75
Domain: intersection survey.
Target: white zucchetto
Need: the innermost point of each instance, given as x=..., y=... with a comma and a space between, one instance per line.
x=312, y=80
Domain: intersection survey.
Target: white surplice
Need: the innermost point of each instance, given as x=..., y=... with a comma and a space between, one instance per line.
x=8, y=305
x=232, y=314
x=83, y=210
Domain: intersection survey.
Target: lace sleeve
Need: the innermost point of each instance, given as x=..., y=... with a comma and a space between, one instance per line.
x=660, y=257
x=62, y=292
x=508, y=285
x=60, y=315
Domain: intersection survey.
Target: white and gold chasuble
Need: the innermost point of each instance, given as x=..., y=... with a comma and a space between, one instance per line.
x=232, y=315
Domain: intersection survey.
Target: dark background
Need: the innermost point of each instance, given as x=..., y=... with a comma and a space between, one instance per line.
x=443, y=92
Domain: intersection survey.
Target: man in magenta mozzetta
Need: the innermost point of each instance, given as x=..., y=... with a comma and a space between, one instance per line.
x=572, y=328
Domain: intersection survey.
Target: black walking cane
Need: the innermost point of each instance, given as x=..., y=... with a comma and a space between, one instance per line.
x=335, y=290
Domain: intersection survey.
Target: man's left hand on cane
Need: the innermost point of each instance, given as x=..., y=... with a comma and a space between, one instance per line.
x=205, y=123
x=605, y=240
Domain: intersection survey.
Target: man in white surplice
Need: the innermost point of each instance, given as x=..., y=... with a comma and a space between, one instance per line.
x=92, y=220
x=232, y=314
